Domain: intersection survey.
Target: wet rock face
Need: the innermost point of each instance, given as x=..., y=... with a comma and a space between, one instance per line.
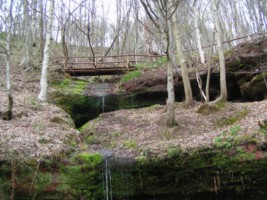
x=254, y=86
x=204, y=174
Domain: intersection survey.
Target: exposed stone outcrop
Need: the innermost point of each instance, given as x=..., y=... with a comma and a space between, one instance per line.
x=246, y=75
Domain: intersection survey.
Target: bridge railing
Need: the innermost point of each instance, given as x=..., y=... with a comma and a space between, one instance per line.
x=121, y=61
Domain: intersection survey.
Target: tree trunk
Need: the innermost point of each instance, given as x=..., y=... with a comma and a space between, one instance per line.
x=118, y=27
x=209, y=71
x=41, y=26
x=27, y=59
x=8, y=114
x=198, y=36
x=170, y=84
x=43, y=82
x=182, y=62
x=223, y=88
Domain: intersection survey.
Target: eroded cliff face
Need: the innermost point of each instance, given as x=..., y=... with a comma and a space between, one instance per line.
x=246, y=67
x=211, y=173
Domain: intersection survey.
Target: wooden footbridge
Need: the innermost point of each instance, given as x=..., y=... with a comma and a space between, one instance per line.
x=104, y=65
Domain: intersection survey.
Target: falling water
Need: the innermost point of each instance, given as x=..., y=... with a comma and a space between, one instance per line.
x=103, y=104
x=108, y=180
x=107, y=174
x=101, y=90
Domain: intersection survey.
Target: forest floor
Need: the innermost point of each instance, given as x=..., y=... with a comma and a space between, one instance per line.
x=40, y=129
x=131, y=132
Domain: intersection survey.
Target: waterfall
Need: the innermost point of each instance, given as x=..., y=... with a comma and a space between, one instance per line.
x=108, y=186
x=101, y=90
x=107, y=174
x=103, y=104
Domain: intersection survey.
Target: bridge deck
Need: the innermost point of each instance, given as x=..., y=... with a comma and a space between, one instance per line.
x=109, y=65
x=98, y=71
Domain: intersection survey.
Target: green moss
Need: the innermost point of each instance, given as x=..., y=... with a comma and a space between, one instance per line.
x=153, y=107
x=157, y=63
x=130, y=76
x=174, y=151
x=69, y=85
x=44, y=179
x=65, y=82
x=129, y=144
x=260, y=77
x=207, y=109
x=228, y=53
x=91, y=139
x=215, y=59
x=224, y=161
x=236, y=116
x=83, y=175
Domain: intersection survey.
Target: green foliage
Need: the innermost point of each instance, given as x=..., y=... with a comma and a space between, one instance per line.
x=66, y=81
x=153, y=107
x=158, y=63
x=115, y=134
x=237, y=115
x=174, y=151
x=220, y=105
x=247, y=156
x=129, y=144
x=228, y=139
x=3, y=35
x=90, y=139
x=207, y=109
x=69, y=85
x=84, y=177
x=130, y=76
x=167, y=134
x=90, y=160
x=43, y=180
x=228, y=53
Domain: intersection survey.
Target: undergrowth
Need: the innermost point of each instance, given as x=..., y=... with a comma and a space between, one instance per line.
x=236, y=116
x=157, y=63
x=130, y=76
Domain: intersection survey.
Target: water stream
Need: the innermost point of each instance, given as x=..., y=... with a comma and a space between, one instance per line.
x=101, y=90
x=103, y=104
x=107, y=174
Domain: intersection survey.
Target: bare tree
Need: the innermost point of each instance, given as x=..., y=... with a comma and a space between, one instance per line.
x=9, y=22
x=182, y=61
x=160, y=13
x=223, y=88
x=27, y=59
x=43, y=82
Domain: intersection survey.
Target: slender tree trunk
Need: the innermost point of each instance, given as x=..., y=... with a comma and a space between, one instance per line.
x=223, y=88
x=63, y=37
x=136, y=26
x=8, y=82
x=170, y=84
x=118, y=5
x=182, y=62
x=198, y=36
x=43, y=82
x=41, y=26
x=8, y=114
x=209, y=71
x=27, y=59
x=123, y=47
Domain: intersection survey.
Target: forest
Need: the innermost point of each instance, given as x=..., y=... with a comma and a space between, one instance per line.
x=133, y=99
